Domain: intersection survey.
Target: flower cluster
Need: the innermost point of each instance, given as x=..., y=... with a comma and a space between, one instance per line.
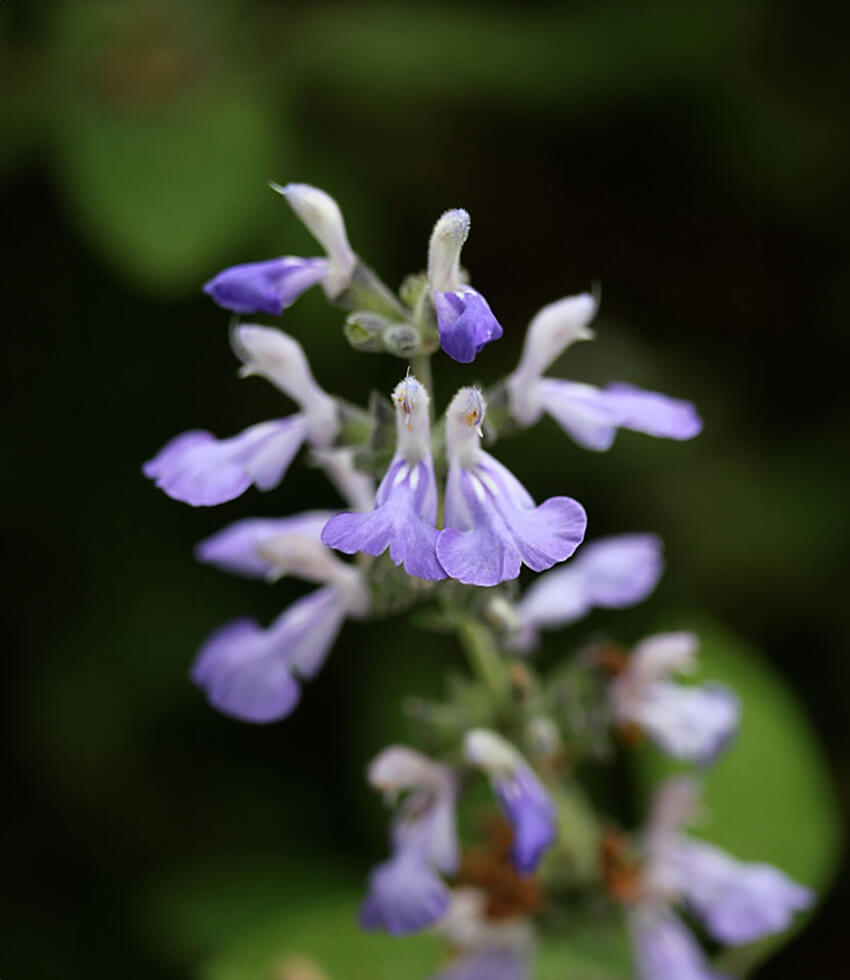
x=456, y=528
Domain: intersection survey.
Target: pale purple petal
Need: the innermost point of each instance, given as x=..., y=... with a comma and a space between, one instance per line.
x=689, y=723
x=403, y=521
x=236, y=548
x=491, y=530
x=621, y=570
x=531, y=815
x=426, y=825
x=651, y=412
x=405, y=895
x=203, y=471
x=245, y=673
x=738, y=902
x=581, y=410
x=665, y=949
x=308, y=629
x=265, y=287
x=466, y=323
x=491, y=963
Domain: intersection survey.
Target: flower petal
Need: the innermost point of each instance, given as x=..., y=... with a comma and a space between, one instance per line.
x=405, y=895
x=665, y=949
x=652, y=412
x=245, y=674
x=203, y=471
x=491, y=529
x=265, y=287
x=236, y=548
x=247, y=671
x=466, y=323
x=531, y=814
x=738, y=902
x=492, y=963
x=693, y=723
x=403, y=521
x=581, y=410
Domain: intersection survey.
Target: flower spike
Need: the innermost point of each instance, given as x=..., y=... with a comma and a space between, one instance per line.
x=465, y=320
x=405, y=511
x=492, y=524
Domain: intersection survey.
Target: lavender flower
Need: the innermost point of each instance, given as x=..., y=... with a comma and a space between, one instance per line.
x=692, y=723
x=492, y=524
x=203, y=471
x=252, y=673
x=406, y=893
x=405, y=511
x=520, y=793
x=464, y=319
x=489, y=948
x=611, y=573
x=737, y=902
x=589, y=414
x=273, y=285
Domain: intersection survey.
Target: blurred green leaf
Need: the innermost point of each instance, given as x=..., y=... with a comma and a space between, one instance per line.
x=770, y=797
x=163, y=194
x=326, y=934
x=592, y=951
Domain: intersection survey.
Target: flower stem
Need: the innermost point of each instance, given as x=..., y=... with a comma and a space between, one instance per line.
x=486, y=661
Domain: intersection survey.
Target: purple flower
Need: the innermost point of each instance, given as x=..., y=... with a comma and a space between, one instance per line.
x=464, y=319
x=492, y=524
x=265, y=287
x=490, y=963
x=611, y=573
x=272, y=285
x=664, y=948
x=247, y=547
x=737, y=902
x=589, y=414
x=406, y=893
x=252, y=673
x=203, y=471
x=405, y=511
x=693, y=723
x=521, y=795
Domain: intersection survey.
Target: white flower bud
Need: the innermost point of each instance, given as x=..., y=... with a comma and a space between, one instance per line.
x=464, y=418
x=490, y=752
x=413, y=424
x=447, y=239
x=323, y=219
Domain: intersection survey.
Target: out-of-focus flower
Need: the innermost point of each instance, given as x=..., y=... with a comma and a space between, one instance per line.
x=405, y=511
x=521, y=795
x=406, y=893
x=610, y=573
x=692, y=723
x=589, y=414
x=492, y=526
x=273, y=285
x=464, y=319
x=737, y=902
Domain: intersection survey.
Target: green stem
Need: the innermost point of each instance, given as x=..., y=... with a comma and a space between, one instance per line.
x=422, y=372
x=484, y=658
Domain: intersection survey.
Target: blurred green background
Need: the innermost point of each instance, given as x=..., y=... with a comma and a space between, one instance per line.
x=693, y=157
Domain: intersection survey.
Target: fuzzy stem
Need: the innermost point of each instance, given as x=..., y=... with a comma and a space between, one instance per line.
x=485, y=659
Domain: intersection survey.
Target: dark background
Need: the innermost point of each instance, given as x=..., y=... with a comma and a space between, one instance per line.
x=690, y=156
